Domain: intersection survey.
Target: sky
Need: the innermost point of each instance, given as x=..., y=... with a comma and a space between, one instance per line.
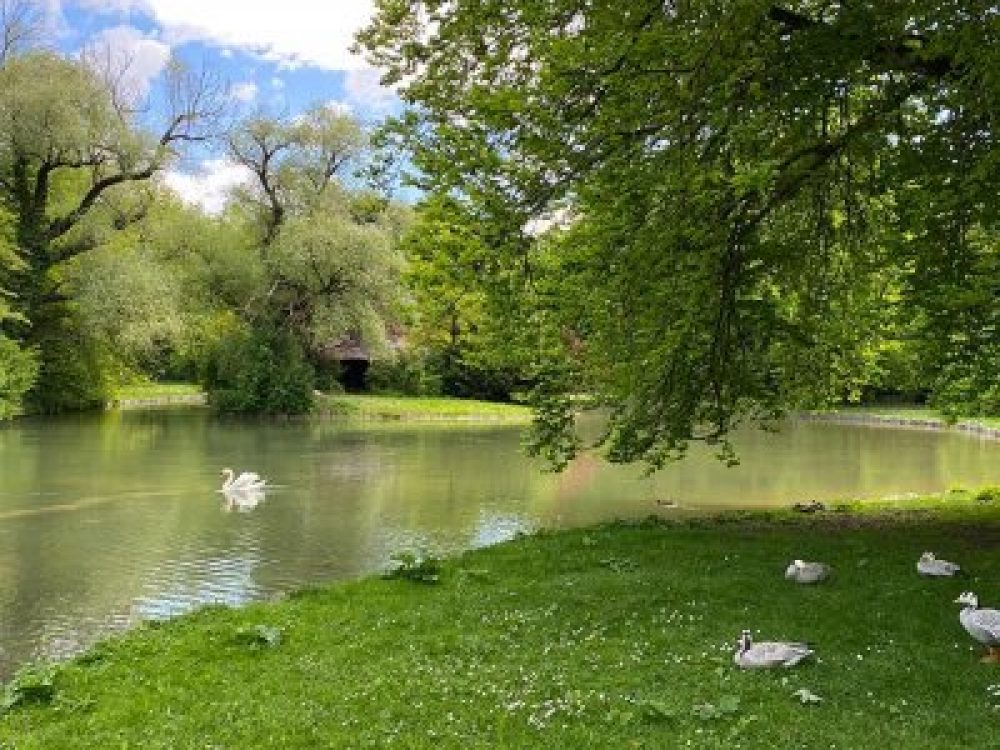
x=277, y=57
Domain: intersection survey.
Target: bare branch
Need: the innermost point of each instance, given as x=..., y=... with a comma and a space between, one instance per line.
x=196, y=103
x=22, y=26
x=257, y=146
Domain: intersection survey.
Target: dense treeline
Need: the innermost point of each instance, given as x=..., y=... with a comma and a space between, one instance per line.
x=106, y=277
x=696, y=213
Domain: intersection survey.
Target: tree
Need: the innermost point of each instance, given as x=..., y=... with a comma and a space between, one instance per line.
x=330, y=252
x=70, y=145
x=448, y=267
x=743, y=176
x=21, y=27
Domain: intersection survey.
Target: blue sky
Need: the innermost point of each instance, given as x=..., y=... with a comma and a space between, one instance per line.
x=277, y=57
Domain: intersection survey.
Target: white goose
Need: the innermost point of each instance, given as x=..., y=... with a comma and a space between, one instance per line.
x=981, y=624
x=801, y=571
x=750, y=655
x=248, y=481
x=929, y=565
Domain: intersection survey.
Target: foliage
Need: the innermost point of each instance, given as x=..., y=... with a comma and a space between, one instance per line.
x=327, y=253
x=421, y=568
x=449, y=269
x=750, y=190
x=72, y=151
x=18, y=369
x=259, y=636
x=404, y=373
x=34, y=684
x=987, y=496
x=132, y=302
x=259, y=371
x=552, y=648
x=74, y=372
x=334, y=277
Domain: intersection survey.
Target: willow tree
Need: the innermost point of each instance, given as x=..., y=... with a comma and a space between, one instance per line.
x=72, y=150
x=325, y=253
x=749, y=182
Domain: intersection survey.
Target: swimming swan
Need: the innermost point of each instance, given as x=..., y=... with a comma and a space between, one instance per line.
x=248, y=481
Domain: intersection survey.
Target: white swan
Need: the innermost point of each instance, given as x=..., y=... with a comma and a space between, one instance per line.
x=248, y=481
x=981, y=624
x=929, y=565
x=801, y=571
x=750, y=655
x=242, y=501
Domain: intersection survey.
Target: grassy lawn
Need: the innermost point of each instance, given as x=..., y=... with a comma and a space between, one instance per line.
x=613, y=637
x=416, y=408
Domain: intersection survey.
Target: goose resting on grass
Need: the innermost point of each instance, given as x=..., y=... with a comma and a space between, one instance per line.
x=801, y=571
x=248, y=481
x=929, y=565
x=981, y=624
x=750, y=655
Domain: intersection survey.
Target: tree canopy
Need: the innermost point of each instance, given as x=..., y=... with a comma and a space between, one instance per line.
x=756, y=189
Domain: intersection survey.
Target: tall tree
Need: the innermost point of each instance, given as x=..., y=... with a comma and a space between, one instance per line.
x=738, y=170
x=70, y=145
x=330, y=250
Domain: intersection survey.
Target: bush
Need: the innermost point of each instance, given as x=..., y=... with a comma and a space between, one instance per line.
x=73, y=370
x=422, y=568
x=18, y=370
x=406, y=374
x=465, y=375
x=259, y=372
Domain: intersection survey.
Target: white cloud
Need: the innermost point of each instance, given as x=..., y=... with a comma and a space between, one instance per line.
x=244, y=92
x=110, y=6
x=127, y=51
x=210, y=185
x=364, y=91
x=291, y=33
x=277, y=83
x=340, y=108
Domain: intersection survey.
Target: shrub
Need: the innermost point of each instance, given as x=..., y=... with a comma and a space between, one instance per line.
x=18, y=370
x=405, y=374
x=259, y=372
x=422, y=568
x=73, y=372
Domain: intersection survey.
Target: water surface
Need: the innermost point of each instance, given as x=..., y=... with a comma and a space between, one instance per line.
x=108, y=519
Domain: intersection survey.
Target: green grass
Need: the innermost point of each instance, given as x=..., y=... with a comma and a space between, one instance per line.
x=141, y=391
x=612, y=637
x=414, y=408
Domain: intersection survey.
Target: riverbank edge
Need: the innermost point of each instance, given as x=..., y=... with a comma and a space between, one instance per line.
x=972, y=427
x=366, y=407
x=118, y=687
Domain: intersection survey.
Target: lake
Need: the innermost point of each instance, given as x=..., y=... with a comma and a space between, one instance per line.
x=109, y=519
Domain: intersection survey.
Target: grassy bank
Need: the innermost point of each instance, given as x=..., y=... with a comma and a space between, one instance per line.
x=155, y=394
x=414, y=408
x=618, y=636
x=909, y=412
x=372, y=407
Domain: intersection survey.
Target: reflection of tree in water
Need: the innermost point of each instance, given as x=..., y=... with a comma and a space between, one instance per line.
x=577, y=476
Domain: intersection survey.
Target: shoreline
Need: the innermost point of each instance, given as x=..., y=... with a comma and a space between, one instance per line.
x=519, y=645
x=979, y=429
